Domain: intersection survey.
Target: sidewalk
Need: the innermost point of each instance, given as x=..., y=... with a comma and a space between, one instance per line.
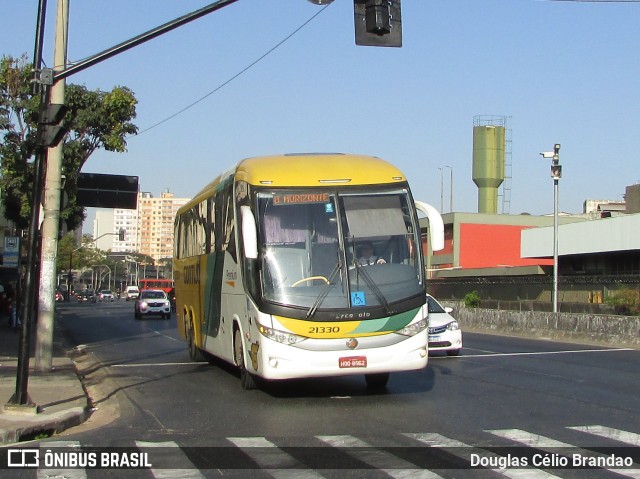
x=59, y=396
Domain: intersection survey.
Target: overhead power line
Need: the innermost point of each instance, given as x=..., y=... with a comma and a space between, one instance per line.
x=241, y=72
x=597, y=1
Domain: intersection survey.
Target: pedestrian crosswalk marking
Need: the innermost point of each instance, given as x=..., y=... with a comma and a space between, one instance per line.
x=268, y=456
x=186, y=470
x=627, y=437
x=545, y=443
x=271, y=459
x=392, y=465
x=48, y=473
x=465, y=451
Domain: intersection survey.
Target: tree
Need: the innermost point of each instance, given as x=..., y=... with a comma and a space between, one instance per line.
x=95, y=119
x=81, y=256
x=167, y=266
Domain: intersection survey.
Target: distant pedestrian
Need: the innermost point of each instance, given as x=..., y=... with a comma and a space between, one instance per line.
x=5, y=306
x=14, y=318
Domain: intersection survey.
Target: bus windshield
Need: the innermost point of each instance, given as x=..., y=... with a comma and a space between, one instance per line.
x=338, y=250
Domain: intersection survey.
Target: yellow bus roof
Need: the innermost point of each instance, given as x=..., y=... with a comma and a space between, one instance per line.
x=310, y=169
x=317, y=170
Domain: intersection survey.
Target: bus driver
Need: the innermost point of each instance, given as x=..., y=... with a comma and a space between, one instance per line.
x=367, y=257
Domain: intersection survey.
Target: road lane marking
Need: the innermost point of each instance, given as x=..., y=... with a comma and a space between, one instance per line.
x=382, y=460
x=136, y=365
x=549, y=445
x=464, y=451
x=538, y=353
x=268, y=456
x=610, y=433
x=186, y=470
x=167, y=336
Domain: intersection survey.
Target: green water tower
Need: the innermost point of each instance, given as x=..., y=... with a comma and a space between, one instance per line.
x=488, y=165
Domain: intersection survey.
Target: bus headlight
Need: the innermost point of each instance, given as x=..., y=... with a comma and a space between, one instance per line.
x=279, y=336
x=414, y=328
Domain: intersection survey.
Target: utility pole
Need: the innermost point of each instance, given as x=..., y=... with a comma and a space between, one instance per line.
x=556, y=174
x=51, y=222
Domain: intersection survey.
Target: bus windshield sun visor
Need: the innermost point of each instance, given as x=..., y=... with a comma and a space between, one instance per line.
x=374, y=215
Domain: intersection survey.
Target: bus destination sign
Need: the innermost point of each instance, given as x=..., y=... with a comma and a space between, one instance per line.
x=300, y=198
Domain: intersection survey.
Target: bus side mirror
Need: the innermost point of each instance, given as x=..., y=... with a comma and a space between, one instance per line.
x=249, y=233
x=436, y=225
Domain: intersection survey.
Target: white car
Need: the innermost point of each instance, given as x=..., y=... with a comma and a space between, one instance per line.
x=152, y=301
x=132, y=292
x=444, y=330
x=106, y=295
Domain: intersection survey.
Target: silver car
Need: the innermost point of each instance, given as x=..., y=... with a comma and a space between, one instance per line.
x=152, y=301
x=444, y=330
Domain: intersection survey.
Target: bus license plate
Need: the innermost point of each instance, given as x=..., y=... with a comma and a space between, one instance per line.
x=353, y=362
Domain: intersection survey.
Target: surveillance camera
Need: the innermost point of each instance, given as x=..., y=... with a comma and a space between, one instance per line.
x=547, y=155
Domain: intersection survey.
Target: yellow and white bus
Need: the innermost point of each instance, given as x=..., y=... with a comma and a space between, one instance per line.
x=269, y=273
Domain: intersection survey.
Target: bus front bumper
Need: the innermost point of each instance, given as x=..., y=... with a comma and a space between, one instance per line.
x=280, y=361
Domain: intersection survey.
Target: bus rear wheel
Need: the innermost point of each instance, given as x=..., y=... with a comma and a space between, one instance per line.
x=247, y=379
x=377, y=381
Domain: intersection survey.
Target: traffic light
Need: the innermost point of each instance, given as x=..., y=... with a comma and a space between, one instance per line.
x=50, y=131
x=121, y=233
x=378, y=23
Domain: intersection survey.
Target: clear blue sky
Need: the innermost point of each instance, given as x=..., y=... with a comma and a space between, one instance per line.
x=563, y=72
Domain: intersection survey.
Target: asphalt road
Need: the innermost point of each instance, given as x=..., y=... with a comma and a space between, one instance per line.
x=502, y=393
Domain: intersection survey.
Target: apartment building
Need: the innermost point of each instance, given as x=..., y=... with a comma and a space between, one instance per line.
x=148, y=230
x=155, y=223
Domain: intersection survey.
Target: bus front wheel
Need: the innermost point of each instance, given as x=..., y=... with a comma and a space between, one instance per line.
x=247, y=380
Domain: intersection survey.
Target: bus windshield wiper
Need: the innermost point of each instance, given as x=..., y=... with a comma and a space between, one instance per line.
x=360, y=269
x=325, y=291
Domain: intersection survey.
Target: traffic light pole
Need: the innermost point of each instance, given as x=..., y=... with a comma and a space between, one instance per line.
x=140, y=39
x=42, y=85
x=21, y=399
x=27, y=310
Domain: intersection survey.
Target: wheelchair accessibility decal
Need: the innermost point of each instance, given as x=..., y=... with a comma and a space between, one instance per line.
x=358, y=299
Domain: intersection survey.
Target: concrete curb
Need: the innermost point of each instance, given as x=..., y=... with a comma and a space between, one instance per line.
x=22, y=427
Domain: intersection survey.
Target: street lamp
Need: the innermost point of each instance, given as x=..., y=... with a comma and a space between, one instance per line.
x=450, y=188
x=121, y=236
x=442, y=188
x=556, y=174
x=70, y=275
